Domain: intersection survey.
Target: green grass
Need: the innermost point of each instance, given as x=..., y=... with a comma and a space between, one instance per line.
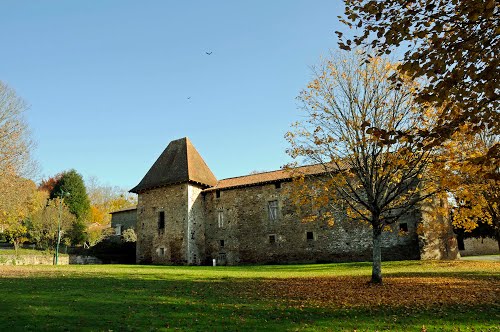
x=23, y=251
x=443, y=296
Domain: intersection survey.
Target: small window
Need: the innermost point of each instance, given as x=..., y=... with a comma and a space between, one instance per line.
x=273, y=210
x=161, y=220
x=277, y=185
x=310, y=236
x=221, y=243
x=403, y=227
x=272, y=239
x=217, y=194
x=220, y=218
x=118, y=229
x=161, y=251
x=222, y=257
x=142, y=225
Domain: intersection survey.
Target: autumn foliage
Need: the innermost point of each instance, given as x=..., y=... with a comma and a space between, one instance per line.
x=353, y=117
x=451, y=46
x=472, y=182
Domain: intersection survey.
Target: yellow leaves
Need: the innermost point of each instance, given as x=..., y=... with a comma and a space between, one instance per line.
x=387, y=228
x=309, y=218
x=97, y=215
x=400, y=291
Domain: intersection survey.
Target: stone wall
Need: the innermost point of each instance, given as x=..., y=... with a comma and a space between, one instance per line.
x=474, y=247
x=195, y=226
x=32, y=260
x=248, y=234
x=437, y=239
x=83, y=260
x=235, y=226
x=182, y=238
x=127, y=219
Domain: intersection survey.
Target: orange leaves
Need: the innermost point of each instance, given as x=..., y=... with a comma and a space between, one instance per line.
x=411, y=292
x=98, y=215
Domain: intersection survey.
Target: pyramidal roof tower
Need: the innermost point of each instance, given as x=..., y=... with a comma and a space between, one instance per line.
x=179, y=163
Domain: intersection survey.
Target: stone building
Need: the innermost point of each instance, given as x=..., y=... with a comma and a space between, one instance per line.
x=124, y=219
x=186, y=216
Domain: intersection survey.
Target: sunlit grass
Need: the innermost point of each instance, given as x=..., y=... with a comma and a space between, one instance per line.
x=440, y=295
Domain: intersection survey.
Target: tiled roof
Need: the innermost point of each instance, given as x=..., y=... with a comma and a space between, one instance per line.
x=125, y=210
x=179, y=162
x=267, y=177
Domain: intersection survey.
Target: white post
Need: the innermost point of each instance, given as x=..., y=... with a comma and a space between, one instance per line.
x=214, y=262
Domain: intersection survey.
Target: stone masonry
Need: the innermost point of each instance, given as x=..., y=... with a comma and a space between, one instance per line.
x=186, y=216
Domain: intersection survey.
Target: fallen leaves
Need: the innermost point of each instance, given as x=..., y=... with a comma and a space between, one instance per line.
x=408, y=292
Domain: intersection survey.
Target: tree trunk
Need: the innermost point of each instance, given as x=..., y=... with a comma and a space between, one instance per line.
x=497, y=236
x=377, y=256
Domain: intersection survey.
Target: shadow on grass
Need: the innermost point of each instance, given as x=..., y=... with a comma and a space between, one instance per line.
x=108, y=303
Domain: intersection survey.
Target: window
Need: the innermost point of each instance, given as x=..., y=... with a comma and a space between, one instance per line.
x=118, y=229
x=222, y=243
x=403, y=227
x=222, y=257
x=217, y=194
x=220, y=218
x=277, y=185
x=273, y=210
x=272, y=239
x=310, y=236
x=161, y=251
x=161, y=220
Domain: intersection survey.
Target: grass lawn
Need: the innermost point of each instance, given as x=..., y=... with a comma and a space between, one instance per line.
x=24, y=251
x=443, y=296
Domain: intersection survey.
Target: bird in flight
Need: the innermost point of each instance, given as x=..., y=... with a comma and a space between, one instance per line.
x=189, y=97
x=208, y=53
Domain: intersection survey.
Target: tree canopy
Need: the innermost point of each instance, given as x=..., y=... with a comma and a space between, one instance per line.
x=452, y=48
x=15, y=140
x=346, y=106
x=475, y=185
x=77, y=201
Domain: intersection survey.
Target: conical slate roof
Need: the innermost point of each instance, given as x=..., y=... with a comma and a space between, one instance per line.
x=180, y=162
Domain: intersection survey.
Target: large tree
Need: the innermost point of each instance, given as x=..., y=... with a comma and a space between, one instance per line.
x=474, y=183
x=451, y=46
x=15, y=141
x=16, y=164
x=365, y=180
x=71, y=188
x=44, y=223
x=18, y=200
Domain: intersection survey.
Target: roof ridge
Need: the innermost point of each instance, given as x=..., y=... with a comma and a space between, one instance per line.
x=266, y=172
x=242, y=176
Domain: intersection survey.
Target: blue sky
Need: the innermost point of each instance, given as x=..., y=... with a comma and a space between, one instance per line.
x=111, y=83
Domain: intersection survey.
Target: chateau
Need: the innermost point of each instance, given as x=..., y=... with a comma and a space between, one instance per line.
x=186, y=216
